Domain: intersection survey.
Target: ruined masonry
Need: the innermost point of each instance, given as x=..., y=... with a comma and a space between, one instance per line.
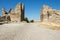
x=49, y=15
x=13, y=15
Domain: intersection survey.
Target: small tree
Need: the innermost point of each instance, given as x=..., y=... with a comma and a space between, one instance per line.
x=26, y=19
x=32, y=21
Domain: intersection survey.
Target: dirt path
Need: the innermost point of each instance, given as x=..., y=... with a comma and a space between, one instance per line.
x=26, y=31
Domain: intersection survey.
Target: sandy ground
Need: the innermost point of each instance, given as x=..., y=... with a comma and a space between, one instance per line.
x=27, y=31
x=48, y=25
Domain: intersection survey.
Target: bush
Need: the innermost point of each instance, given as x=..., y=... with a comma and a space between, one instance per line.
x=26, y=19
x=32, y=21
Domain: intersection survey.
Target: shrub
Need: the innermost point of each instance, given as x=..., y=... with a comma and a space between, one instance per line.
x=32, y=21
x=26, y=19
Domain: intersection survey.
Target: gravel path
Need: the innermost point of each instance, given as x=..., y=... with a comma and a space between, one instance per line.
x=25, y=31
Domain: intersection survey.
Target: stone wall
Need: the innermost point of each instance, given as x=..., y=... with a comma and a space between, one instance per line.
x=49, y=15
x=16, y=15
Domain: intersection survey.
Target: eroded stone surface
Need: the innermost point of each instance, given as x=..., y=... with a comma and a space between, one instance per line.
x=49, y=14
x=16, y=15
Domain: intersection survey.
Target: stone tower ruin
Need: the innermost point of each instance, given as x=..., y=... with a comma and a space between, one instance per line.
x=16, y=15
x=3, y=11
x=49, y=15
x=44, y=13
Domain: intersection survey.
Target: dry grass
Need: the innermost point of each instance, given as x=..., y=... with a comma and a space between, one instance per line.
x=48, y=25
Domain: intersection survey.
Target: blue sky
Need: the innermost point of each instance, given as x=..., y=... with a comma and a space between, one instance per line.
x=32, y=7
